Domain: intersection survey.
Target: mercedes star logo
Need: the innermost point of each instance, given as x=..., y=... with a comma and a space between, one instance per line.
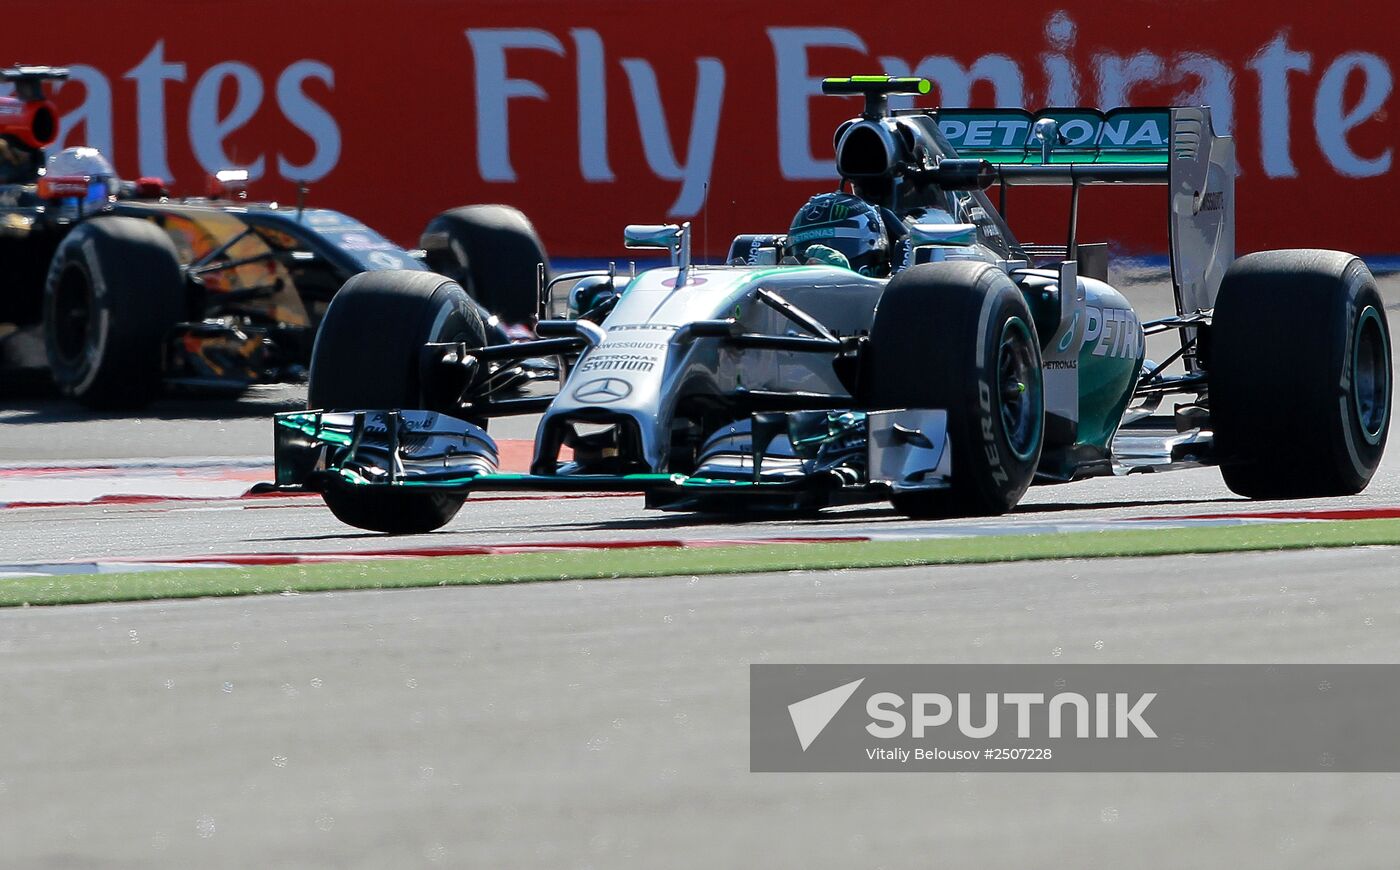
x=601, y=391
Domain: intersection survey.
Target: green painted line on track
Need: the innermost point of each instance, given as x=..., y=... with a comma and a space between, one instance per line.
x=674, y=561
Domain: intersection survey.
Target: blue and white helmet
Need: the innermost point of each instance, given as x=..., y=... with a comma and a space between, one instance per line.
x=88, y=163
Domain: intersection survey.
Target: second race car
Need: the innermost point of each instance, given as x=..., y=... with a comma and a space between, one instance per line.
x=116, y=290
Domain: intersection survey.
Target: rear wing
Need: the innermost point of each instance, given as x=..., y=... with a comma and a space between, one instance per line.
x=1059, y=136
x=1175, y=147
x=29, y=81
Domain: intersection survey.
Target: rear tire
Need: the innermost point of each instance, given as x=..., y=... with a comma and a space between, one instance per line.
x=959, y=336
x=368, y=356
x=114, y=292
x=494, y=252
x=1318, y=427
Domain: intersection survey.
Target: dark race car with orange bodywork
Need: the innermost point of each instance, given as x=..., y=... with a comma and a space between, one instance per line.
x=116, y=291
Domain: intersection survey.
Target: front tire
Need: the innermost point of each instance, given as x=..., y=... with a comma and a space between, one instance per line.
x=368, y=356
x=114, y=292
x=494, y=252
x=959, y=336
x=1317, y=426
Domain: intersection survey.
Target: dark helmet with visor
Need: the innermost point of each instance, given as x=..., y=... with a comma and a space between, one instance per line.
x=846, y=224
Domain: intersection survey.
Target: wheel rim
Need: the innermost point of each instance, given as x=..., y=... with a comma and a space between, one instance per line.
x=72, y=315
x=1018, y=388
x=1371, y=375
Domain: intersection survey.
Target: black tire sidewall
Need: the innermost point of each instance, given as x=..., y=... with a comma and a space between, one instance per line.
x=935, y=344
x=1358, y=458
x=368, y=356
x=74, y=376
x=393, y=513
x=494, y=252
x=137, y=296
x=1295, y=432
x=368, y=349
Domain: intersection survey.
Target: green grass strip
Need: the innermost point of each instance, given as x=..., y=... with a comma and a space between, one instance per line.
x=671, y=561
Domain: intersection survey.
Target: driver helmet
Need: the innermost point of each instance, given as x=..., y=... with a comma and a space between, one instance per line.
x=591, y=292
x=846, y=224
x=91, y=164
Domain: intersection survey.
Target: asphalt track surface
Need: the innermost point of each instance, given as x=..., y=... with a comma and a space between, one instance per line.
x=605, y=723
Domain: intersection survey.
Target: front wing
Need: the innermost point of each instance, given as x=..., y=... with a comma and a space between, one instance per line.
x=788, y=460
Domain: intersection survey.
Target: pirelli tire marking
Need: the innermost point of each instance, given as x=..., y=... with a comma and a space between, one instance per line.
x=989, y=436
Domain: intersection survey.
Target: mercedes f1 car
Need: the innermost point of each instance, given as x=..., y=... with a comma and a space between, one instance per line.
x=117, y=290
x=806, y=372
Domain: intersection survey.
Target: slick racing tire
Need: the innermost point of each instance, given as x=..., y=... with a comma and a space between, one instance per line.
x=494, y=252
x=368, y=356
x=1300, y=375
x=958, y=336
x=114, y=291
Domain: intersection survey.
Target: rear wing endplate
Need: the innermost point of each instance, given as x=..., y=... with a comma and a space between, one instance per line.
x=1175, y=147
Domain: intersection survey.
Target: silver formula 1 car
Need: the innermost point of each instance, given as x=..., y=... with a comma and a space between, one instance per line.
x=897, y=343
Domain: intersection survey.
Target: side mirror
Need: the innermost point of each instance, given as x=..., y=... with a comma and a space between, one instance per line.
x=662, y=237
x=651, y=236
